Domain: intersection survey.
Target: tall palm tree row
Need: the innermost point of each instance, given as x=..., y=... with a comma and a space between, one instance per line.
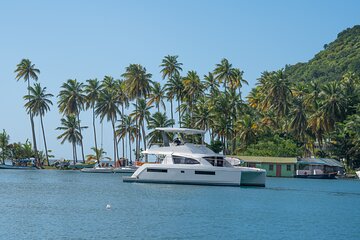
x=306, y=113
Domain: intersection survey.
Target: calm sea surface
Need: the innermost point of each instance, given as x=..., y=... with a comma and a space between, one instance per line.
x=72, y=205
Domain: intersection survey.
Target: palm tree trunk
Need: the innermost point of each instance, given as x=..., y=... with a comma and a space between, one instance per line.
x=114, y=139
x=34, y=139
x=233, y=136
x=179, y=112
x=137, y=134
x=81, y=140
x=74, y=152
x=94, y=127
x=37, y=160
x=43, y=132
x=144, y=139
x=172, y=111
x=76, y=158
x=224, y=144
x=130, y=146
x=123, y=139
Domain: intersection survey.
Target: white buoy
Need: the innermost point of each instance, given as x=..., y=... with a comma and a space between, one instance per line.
x=108, y=206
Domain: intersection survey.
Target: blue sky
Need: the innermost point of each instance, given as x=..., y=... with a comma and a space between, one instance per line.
x=91, y=39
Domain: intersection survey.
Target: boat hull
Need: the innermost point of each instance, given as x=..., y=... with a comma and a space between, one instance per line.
x=127, y=170
x=195, y=175
x=318, y=176
x=81, y=166
x=97, y=170
x=358, y=174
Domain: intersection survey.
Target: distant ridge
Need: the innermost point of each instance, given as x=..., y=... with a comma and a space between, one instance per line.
x=337, y=58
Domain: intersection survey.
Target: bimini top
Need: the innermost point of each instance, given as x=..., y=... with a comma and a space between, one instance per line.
x=187, y=131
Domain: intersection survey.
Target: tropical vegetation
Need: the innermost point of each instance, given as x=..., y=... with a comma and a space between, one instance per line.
x=307, y=109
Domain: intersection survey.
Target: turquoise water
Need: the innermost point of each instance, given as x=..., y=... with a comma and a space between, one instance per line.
x=72, y=205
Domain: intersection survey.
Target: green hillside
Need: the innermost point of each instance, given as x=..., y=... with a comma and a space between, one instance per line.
x=337, y=58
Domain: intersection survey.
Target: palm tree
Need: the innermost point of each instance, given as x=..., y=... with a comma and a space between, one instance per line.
x=157, y=96
x=155, y=121
x=175, y=87
x=137, y=82
x=107, y=106
x=71, y=133
x=332, y=104
x=278, y=93
x=4, y=142
x=99, y=154
x=236, y=80
x=26, y=70
x=127, y=128
x=350, y=83
x=312, y=93
x=211, y=84
x=254, y=98
x=223, y=124
x=193, y=88
x=39, y=103
x=141, y=114
x=123, y=99
x=92, y=91
x=247, y=130
x=109, y=82
x=71, y=102
x=203, y=114
x=299, y=123
x=223, y=72
x=170, y=67
x=235, y=105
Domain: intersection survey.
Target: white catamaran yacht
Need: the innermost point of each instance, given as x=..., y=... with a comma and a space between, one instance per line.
x=182, y=162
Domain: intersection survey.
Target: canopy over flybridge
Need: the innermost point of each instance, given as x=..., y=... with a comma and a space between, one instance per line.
x=181, y=131
x=187, y=131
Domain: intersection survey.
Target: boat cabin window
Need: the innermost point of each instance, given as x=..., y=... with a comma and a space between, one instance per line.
x=205, y=172
x=219, y=163
x=156, y=170
x=215, y=161
x=184, y=160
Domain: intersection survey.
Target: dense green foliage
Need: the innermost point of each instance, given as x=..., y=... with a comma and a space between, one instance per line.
x=274, y=146
x=337, y=58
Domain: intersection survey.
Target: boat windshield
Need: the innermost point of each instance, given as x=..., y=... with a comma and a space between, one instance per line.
x=217, y=161
x=184, y=160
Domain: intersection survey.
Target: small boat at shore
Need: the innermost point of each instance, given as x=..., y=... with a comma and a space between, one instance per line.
x=4, y=166
x=358, y=174
x=315, y=175
x=97, y=170
x=79, y=166
x=130, y=170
